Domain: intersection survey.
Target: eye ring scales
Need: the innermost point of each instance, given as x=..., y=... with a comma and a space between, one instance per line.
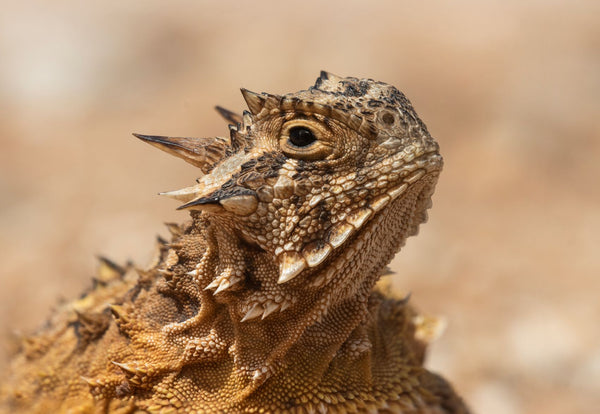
x=306, y=140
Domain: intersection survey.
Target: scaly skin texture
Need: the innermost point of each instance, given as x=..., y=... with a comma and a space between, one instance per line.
x=265, y=301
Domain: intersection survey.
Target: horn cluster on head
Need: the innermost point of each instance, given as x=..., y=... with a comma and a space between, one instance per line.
x=200, y=152
x=259, y=102
x=284, y=203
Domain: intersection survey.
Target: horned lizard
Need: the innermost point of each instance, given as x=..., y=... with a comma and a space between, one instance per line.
x=266, y=300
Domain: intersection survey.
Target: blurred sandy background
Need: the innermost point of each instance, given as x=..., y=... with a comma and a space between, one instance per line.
x=511, y=90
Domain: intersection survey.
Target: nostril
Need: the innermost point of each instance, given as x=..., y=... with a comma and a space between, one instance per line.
x=388, y=118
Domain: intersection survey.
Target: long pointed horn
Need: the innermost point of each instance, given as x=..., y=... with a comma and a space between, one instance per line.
x=254, y=100
x=200, y=152
x=229, y=116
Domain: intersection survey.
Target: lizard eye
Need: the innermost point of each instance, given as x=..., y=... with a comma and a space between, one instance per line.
x=305, y=140
x=301, y=136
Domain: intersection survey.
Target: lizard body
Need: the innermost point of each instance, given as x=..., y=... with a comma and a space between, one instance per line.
x=265, y=301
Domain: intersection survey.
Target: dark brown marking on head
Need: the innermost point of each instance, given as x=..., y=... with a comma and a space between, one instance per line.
x=248, y=165
x=356, y=90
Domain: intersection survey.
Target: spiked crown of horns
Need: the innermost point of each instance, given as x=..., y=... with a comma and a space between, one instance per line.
x=333, y=155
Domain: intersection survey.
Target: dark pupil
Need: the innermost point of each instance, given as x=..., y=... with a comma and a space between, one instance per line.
x=301, y=137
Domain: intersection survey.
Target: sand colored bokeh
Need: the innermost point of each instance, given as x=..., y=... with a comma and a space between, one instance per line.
x=510, y=256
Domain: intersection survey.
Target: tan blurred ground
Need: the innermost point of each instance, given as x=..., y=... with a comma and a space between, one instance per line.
x=511, y=91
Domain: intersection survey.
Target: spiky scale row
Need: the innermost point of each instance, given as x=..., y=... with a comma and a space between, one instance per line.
x=265, y=307
x=109, y=270
x=254, y=312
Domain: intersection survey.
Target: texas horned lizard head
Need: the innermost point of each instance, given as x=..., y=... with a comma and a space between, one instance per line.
x=303, y=172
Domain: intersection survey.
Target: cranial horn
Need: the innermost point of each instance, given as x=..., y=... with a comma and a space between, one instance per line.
x=228, y=115
x=200, y=152
x=258, y=102
x=255, y=101
x=327, y=78
x=330, y=76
